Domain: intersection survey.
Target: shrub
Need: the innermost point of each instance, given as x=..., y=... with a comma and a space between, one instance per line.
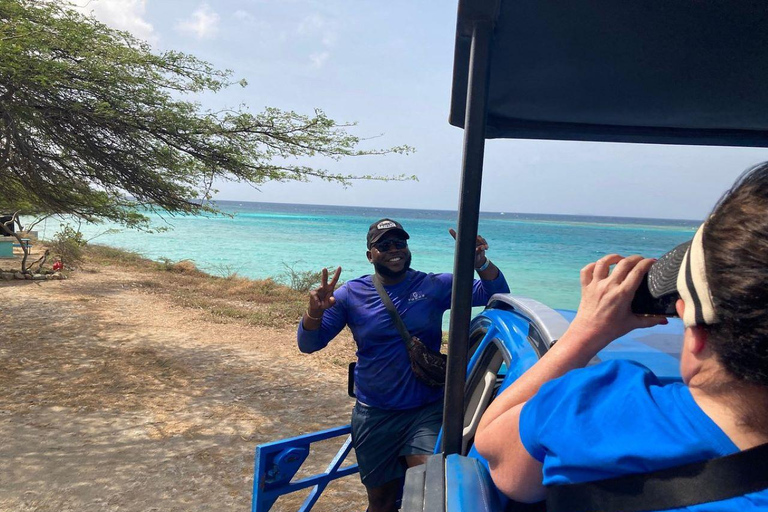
x=179, y=267
x=225, y=270
x=301, y=280
x=185, y=267
x=68, y=245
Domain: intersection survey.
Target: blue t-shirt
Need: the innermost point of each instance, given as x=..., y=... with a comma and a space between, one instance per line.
x=383, y=375
x=616, y=418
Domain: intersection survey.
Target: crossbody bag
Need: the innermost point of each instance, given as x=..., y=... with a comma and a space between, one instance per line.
x=426, y=364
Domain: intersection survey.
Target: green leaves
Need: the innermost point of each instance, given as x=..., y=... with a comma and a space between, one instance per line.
x=93, y=124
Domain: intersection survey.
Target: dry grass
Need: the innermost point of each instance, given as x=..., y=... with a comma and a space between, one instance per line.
x=258, y=302
x=230, y=299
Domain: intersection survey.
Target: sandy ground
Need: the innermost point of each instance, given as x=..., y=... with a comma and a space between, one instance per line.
x=112, y=398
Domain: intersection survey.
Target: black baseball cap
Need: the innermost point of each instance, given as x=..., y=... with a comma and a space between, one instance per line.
x=381, y=227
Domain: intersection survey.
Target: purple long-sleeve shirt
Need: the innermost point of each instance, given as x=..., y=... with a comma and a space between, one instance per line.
x=383, y=376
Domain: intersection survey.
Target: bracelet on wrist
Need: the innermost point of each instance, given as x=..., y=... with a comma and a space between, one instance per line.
x=313, y=317
x=484, y=265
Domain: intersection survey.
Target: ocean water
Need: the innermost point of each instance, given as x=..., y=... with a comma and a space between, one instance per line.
x=541, y=255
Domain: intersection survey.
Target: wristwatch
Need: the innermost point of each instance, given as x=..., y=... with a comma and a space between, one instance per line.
x=484, y=265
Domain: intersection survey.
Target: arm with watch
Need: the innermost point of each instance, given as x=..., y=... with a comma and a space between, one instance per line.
x=484, y=267
x=487, y=271
x=491, y=279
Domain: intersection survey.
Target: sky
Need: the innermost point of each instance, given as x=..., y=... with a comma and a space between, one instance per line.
x=387, y=66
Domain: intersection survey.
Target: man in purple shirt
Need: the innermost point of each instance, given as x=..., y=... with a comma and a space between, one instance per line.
x=397, y=417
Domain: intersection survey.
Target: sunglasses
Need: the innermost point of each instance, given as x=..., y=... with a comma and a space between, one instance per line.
x=384, y=245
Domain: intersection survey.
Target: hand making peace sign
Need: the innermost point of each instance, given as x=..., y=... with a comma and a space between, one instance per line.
x=322, y=298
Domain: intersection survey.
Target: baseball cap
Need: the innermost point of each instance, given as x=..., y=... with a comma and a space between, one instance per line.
x=662, y=277
x=381, y=227
x=682, y=273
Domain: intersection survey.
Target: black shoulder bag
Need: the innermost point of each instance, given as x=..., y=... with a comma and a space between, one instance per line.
x=426, y=364
x=677, y=487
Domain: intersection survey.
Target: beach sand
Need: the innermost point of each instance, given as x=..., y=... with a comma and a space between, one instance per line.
x=114, y=397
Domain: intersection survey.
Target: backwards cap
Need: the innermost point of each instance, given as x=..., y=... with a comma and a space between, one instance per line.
x=682, y=271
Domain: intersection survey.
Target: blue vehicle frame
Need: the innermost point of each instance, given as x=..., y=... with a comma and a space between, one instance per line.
x=277, y=464
x=506, y=339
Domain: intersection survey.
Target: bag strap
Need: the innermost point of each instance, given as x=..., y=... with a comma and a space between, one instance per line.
x=717, y=479
x=401, y=328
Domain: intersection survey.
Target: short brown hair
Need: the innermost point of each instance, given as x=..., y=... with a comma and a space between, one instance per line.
x=736, y=248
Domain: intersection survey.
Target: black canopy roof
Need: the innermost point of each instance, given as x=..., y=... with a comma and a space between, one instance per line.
x=652, y=71
x=648, y=71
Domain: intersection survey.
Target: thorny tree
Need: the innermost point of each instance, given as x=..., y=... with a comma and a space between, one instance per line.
x=96, y=125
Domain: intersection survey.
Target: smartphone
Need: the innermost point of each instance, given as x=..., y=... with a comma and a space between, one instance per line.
x=644, y=303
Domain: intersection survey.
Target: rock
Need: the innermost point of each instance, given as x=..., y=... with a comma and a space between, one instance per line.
x=19, y=275
x=38, y=277
x=28, y=276
x=7, y=276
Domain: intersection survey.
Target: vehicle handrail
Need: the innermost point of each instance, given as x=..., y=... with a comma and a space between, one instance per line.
x=550, y=324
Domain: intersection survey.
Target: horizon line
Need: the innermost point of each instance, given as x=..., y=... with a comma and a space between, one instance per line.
x=456, y=210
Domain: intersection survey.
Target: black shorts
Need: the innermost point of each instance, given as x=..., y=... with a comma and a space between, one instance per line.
x=382, y=437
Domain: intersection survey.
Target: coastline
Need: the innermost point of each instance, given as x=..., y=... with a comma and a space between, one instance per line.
x=541, y=254
x=135, y=385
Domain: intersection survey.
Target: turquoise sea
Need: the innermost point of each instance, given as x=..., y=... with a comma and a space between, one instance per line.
x=541, y=255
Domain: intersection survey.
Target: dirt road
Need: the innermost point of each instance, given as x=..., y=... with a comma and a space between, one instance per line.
x=113, y=398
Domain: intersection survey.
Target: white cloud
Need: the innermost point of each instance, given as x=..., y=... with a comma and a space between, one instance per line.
x=244, y=16
x=125, y=15
x=320, y=27
x=203, y=23
x=318, y=59
x=253, y=23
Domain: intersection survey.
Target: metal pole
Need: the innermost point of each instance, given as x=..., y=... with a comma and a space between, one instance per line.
x=469, y=211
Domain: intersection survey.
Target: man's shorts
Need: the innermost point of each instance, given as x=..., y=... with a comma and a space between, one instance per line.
x=382, y=437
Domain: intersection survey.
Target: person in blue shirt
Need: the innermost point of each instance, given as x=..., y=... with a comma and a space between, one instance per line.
x=397, y=417
x=561, y=423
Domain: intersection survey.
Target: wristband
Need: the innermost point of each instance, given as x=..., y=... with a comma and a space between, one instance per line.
x=313, y=318
x=480, y=268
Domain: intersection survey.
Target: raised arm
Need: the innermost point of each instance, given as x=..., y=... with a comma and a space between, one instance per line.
x=491, y=279
x=604, y=314
x=484, y=267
